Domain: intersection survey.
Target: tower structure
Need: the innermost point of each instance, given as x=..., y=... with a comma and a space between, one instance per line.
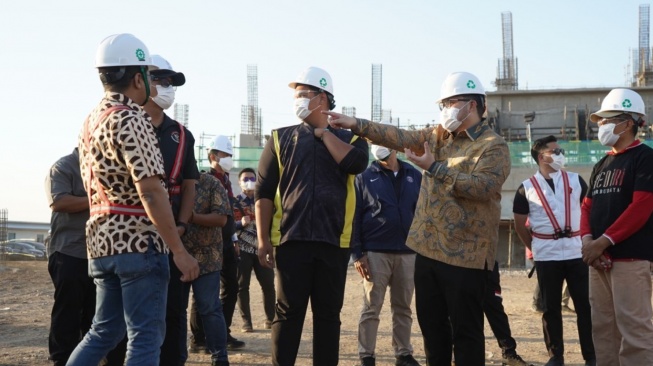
x=642, y=68
x=507, y=66
x=377, y=93
x=349, y=111
x=250, y=114
x=181, y=114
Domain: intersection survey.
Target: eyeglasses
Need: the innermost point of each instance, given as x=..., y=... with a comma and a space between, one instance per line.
x=305, y=93
x=164, y=82
x=450, y=102
x=616, y=120
x=556, y=151
x=249, y=179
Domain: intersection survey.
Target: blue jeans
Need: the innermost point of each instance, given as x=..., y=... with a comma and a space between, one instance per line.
x=206, y=290
x=131, y=296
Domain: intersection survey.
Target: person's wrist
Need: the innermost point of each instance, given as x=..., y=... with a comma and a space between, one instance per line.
x=182, y=225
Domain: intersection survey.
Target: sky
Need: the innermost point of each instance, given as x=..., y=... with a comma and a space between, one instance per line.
x=49, y=84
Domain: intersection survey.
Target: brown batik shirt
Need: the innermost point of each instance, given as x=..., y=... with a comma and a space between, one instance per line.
x=123, y=150
x=204, y=242
x=459, y=207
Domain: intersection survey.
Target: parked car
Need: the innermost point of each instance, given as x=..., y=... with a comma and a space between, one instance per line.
x=38, y=245
x=17, y=247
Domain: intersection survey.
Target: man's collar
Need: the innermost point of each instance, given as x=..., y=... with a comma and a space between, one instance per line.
x=121, y=98
x=633, y=145
x=473, y=132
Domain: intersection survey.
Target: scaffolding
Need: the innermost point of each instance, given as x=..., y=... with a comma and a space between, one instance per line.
x=181, y=113
x=349, y=111
x=507, y=66
x=377, y=85
x=250, y=114
x=641, y=57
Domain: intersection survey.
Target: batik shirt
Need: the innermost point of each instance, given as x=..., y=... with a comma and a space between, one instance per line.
x=123, y=150
x=459, y=207
x=204, y=242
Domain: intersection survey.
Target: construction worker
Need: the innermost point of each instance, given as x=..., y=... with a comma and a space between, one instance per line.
x=131, y=228
x=177, y=146
x=306, y=179
x=456, y=225
x=616, y=229
x=550, y=201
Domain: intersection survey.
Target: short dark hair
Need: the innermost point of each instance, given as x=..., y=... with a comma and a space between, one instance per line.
x=478, y=98
x=118, y=78
x=246, y=170
x=540, y=144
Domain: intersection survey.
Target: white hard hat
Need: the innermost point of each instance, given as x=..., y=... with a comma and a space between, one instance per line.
x=620, y=101
x=316, y=77
x=222, y=143
x=122, y=50
x=166, y=70
x=460, y=83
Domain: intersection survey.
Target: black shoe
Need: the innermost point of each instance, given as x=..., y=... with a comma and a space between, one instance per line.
x=368, y=361
x=513, y=359
x=233, y=343
x=556, y=361
x=406, y=360
x=590, y=362
x=219, y=363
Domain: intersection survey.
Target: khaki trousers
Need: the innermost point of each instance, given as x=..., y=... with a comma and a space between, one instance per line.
x=395, y=271
x=621, y=314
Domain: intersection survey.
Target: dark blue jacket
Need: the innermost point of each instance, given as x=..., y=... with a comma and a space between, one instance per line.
x=382, y=219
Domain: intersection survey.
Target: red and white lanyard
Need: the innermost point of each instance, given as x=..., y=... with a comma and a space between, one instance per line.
x=559, y=232
x=173, y=187
x=105, y=207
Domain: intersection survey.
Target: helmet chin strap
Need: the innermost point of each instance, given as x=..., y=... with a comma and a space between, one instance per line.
x=147, y=85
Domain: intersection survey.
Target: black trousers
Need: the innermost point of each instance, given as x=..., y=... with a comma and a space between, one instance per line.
x=228, y=296
x=495, y=313
x=175, y=339
x=550, y=275
x=249, y=262
x=306, y=271
x=449, y=304
x=74, y=305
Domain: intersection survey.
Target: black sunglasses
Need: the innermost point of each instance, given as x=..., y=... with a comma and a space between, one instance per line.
x=556, y=151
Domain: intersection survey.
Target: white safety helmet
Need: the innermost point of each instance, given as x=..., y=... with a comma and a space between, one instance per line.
x=122, y=50
x=314, y=76
x=460, y=83
x=164, y=69
x=222, y=143
x=620, y=101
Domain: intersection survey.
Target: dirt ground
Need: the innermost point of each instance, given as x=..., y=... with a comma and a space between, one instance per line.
x=26, y=300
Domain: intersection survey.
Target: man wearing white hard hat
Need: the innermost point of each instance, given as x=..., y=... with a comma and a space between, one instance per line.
x=131, y=228
x=177, y=146
x=386, y=196
x=456, y=226
x=616, y=229
x=305, y=203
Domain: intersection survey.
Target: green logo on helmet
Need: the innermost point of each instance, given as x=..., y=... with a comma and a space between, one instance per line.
x=323, y=82
x=471, y=85
x=140, y=55
x=626, y=103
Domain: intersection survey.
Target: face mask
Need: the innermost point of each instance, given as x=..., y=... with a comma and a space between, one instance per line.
x=248, y=186
x=449, y=118
x=381, y=153
x=226, y=163
x=301, y=107
x=558, y=162
x=607, y=137
x=165, y=96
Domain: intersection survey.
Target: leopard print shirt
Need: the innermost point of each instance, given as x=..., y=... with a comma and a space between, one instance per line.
x=123, y=150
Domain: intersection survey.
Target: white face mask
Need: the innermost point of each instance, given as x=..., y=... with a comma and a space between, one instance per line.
x=381, y=153
x=248, y=186
x=226, y=163
x=558, y=161
x=449, y=118
x=607, y=137
x=165, y=96
x=301, y=107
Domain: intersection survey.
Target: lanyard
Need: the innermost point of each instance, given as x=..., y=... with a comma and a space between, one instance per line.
x=549, y=212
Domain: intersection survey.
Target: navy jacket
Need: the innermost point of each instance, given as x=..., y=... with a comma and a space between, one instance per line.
x=382, y=219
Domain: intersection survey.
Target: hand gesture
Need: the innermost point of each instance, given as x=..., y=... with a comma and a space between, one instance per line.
x=363, y=268
x=425, y=160
x=187, y=265
x=337, y=120
x=245, y=220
